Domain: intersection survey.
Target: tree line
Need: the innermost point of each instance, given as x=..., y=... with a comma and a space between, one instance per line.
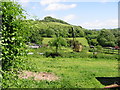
x=48, y=27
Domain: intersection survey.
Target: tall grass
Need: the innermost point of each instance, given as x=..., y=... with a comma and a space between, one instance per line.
x=73, y=72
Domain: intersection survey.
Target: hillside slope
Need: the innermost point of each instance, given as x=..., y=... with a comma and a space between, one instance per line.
x=82, y=40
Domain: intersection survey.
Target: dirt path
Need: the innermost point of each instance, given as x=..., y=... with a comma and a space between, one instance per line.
x=38, y=76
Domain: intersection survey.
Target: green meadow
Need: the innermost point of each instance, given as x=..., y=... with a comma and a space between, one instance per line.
x=72, y=72
x=83, y=40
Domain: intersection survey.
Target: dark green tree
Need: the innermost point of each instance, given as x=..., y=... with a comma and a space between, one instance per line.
x=58, y=42
x=36, y=37
x=94, y=42
x=106, y=38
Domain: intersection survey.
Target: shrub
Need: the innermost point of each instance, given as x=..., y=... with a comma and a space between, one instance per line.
x=12, y=42
x=58, y=42
x=52, y=54
x=99, y=48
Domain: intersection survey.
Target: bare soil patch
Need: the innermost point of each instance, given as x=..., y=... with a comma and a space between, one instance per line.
x=38, y=76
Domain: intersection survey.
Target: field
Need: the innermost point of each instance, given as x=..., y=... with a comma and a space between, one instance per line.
x=74, y=72
x=83, y=41
x=46, y=40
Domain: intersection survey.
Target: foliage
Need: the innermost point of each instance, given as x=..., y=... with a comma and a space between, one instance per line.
x=81, y=40
x=99, y=48
x=79, y=31
x=94, y=42
x=12, y=42
x=74, y=43
x=48, y=29
x=52, y=54
x=106, y=38
x=50, y=19
x=36, y=38
x=58, y=42
x=13, y=46
x=91, y=36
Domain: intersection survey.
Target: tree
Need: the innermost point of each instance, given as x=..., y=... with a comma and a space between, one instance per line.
x=50, y=19
x=36, y=38
x=94, y=42
x=49, y=32
x=106, y=38
x=58, y=42
x=79, y=31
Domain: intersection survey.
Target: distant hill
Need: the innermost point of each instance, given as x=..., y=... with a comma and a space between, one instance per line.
x=49, y=26
x=105, y=28
x=51, y=19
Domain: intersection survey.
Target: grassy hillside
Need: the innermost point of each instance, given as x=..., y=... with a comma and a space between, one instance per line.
x=51, y=19
x=43, y=24
x=82, y=40
x=46, y=40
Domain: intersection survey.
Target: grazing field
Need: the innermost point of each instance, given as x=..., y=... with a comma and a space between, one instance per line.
x=72, y=72
x=46, y=40
x=83, y=40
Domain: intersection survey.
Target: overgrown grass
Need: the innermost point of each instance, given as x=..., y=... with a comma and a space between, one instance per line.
x=75, y=69
x=82, y=40
x=46, y=40
x=73, y=72
x=67, y=52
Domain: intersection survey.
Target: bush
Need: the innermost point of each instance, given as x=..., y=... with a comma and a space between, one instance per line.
x=93, y=50
x=99, y=48
x=107, y=56
x=52, y=54
x=12, y=41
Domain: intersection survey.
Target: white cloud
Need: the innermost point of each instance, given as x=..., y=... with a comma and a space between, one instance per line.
x=33, y=7
x=104, y=1
x=113, y=23
x=24, y=3
x=69, y=17
x=46, y=2
x=56, y=6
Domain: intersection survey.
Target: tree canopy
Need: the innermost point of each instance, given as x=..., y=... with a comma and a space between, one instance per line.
x=106, y=38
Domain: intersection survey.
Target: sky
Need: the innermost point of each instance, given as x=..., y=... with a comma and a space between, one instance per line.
x=90, y=14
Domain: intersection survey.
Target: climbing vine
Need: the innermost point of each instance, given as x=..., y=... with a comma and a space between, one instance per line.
x=12, y=42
